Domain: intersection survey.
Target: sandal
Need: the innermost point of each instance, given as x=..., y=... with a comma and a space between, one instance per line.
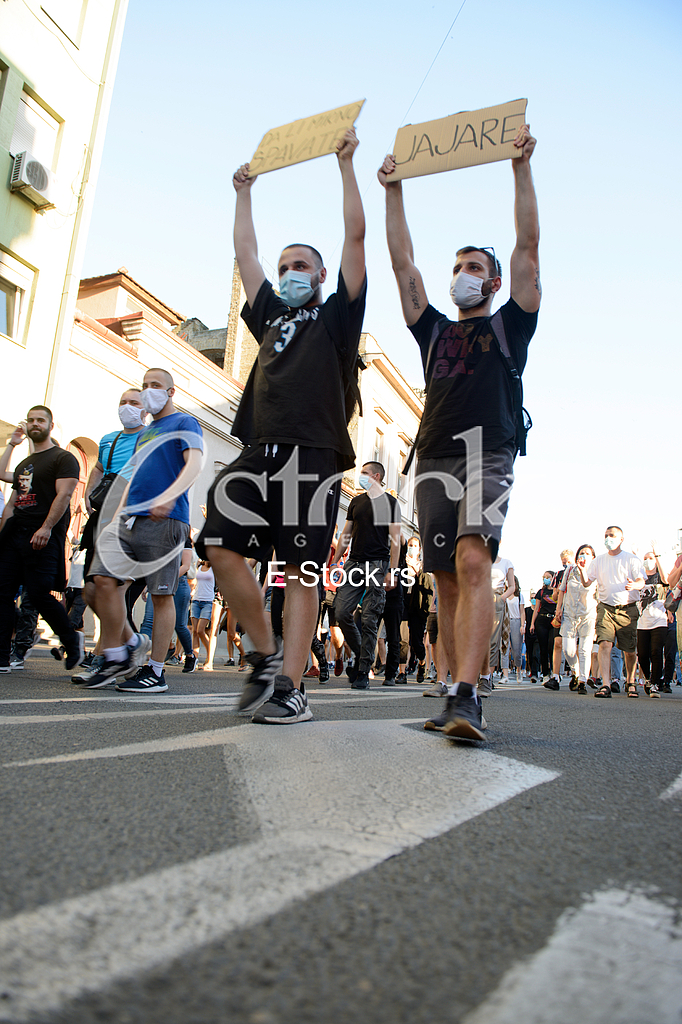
x=603, y=691
x=631, y=690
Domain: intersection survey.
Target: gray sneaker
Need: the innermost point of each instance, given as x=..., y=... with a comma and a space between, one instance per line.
x=485, y=686
x=437, y=690
x=464, y=718
x=286, y=706
x=261, y=683
x=438, y=723
x=85, y=674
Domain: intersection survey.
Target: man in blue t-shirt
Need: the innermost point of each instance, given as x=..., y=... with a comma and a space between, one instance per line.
x=146, y=538
x=470, y=429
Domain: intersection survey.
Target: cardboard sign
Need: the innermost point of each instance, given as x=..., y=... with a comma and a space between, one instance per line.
x=303, y=140
x=461, y=140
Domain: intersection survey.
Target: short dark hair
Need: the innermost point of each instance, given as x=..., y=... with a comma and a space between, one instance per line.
x=377, y=469
x=615, y=528
x=494, y=264
x=43, y=408
x=160, y=369
x=582, y=548
x=304, y=245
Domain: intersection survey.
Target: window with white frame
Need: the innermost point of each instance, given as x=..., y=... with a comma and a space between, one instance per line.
x=16, y=282
x=34, y=131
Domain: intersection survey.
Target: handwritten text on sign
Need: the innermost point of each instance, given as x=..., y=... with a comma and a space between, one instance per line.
x=303, y=140
x=461, y=140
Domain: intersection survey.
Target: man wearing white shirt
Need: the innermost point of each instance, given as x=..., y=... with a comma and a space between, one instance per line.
x=620, y=576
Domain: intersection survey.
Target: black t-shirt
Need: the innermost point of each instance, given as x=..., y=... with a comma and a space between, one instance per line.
x=467, y=382
x=34, y=483
x=295, y=391
x=547, y=605
x=370, y=517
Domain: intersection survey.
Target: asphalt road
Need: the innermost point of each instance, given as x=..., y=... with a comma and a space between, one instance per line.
x=165, y=860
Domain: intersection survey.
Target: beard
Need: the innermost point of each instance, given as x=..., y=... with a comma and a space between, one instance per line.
x=38, y=434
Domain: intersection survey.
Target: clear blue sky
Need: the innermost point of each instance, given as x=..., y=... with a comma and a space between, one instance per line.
x=198, y=85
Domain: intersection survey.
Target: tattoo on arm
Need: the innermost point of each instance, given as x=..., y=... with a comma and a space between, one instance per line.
x=414, y=294
x=537, y=280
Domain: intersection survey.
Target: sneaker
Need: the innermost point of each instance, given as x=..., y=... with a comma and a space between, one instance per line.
x=582, y=688
x=401, y=678
x=324, y=672
x=5, y=668
x=312, y=673
x=533, y=679
x=16, y=663
x=615, y=687
x=666, y=688
x=552, y=683
x=107, y=673
x=594, y=683
x=485, y=686
x=75, y=653
x=654, y=691
x=463, y=716
x=57, y=652
x=389, y=682
x=352, y=671
x=190, y=663
x=145, y=680
x=437, y=690
x=261, y=682
x=174, y=660
x=286, y=706
x=138, y=654
x=361, y=681
x=338, y=667
x=421, y=672
x=96, y=662
x=438, y=723
x=574, y=683
x=229, y=663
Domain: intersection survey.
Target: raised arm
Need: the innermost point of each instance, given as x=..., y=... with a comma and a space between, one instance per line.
x=15, y=440
x=353, y=255
x=245, y=243
x=410, y=284
x=525, y=263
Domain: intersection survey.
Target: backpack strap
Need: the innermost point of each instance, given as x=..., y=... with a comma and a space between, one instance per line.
x=111, y=452
x=523, y=420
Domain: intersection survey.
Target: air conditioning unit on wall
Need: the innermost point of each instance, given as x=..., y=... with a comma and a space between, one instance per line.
x=33, y=180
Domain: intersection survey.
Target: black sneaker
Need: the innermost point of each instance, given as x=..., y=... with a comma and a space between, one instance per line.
x=666, y=688
x=352, y=671
x=615, y=687
x=464, y=718
x=552, y=683
x=574, y=683
x=401, y=678
x=287, y=705
x=421, y=671
x=145, y=680
x=389, y=682
x=361, y=682
x=107, y=673
x=324, y=671
x=582, y=688
x=261, y=683
x=190, y=663
x=437, y=724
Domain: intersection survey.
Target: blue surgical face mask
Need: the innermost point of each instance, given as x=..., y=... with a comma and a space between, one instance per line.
x=364, y=482
x=295, y=288
x=532, y=602
x=547, y=580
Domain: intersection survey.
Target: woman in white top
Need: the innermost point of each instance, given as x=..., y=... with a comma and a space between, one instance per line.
x=202, y=605
x=652, y=625
x=577, y=609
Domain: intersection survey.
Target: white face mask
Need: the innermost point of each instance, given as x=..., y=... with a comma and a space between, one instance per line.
x=296, y=288
x=154, y=399
x=465, y=290
x=649, y=564
x=130, y=416
x=611, y=543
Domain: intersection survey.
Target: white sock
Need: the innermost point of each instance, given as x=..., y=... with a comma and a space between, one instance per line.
x=157, y=666
x=116, y=653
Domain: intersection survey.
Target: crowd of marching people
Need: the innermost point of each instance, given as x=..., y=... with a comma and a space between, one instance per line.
x=298, y=595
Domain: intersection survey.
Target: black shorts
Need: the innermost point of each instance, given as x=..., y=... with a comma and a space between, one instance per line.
x=258, y=502
x=477, y=506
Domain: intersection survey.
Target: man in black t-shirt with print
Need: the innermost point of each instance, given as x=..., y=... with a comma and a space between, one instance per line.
x=373, y=529
x=33, y=533
x=468, y=435
x=284, y=488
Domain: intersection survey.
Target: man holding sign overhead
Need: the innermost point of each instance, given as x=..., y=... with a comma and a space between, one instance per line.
x=470, y=430
x=284, y=488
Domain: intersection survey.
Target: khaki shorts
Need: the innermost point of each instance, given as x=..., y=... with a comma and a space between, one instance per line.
x=618, y=623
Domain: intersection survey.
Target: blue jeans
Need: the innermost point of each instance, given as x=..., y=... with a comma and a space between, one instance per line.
x=181, y=598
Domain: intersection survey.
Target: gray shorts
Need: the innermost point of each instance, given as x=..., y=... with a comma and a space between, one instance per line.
x=150, y=551
x=477, y=504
